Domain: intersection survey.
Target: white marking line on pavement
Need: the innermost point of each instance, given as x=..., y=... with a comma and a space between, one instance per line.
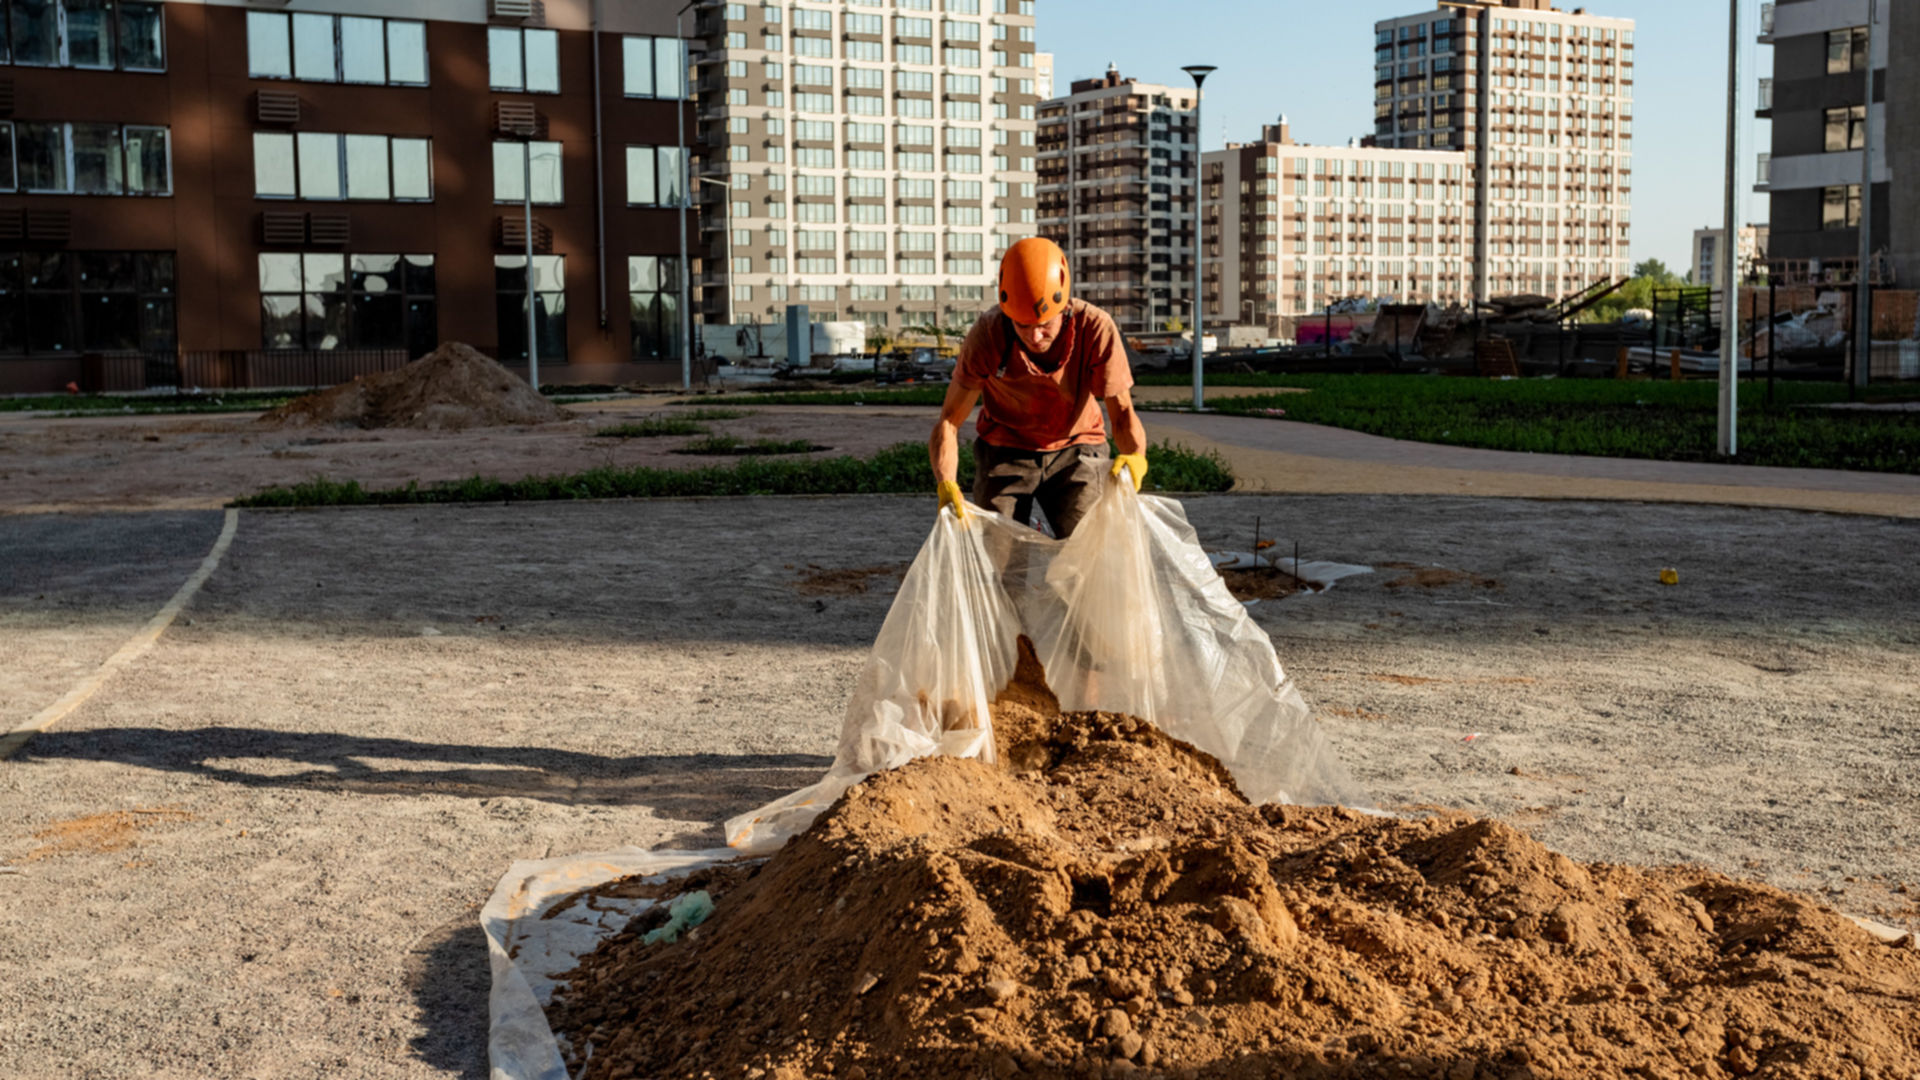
x=13, y=740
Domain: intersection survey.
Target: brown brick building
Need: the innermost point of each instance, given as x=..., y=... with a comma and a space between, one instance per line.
x=222, y=193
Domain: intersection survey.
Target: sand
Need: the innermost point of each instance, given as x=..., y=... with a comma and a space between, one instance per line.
x=1104, y=902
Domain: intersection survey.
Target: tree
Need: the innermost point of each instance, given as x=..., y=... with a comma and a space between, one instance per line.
x=1657, y=272
x=938, y=333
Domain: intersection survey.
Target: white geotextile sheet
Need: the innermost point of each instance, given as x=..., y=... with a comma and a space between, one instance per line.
x=1127, y=615
x=527, y=950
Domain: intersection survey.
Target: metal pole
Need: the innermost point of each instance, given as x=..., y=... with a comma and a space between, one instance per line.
x=1863, y=287
x=1199, y=73
x=1772, y=349
x=1728, y=442
x=599, y=177
x=526, y=191
x=686, y=267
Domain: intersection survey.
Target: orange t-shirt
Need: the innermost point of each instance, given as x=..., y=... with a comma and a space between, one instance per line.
x=1025, y=406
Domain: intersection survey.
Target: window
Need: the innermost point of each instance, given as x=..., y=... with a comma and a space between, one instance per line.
x=336, y=48
x=1840, y=207
x=85, y=159
x=913, y=81
x=913, y=54
x=105, y=301
x=813, y=74
x=549, y=305
x=316, y=165
x=963, y=85
x=1846, y=50
x=656, y=176
x=653, y=67
x=653, y=299
x=808, y=19
x=511, y=166
x=961, y=31
x=865, y=79
x=866, y=24
x=1846, y=128
x=914, y=108
x=521, y=58
x=83, y=34
x=813, y=46
x=333, y=301
x=907, y=26
x=866, y=105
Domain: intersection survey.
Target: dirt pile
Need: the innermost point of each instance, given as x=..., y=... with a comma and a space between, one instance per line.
x=449, y=389
x=1104, y=902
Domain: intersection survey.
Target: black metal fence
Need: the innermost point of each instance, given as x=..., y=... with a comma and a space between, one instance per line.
x=231, y=369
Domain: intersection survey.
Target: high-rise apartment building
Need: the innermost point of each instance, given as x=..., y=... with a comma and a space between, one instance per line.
x=1541, y=101
x=1117, y=161
x=870, y=160
x=1817, y=102
x=227, y=194
x=1288, y=227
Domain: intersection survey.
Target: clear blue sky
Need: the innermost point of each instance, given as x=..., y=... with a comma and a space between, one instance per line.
x=1313, y=60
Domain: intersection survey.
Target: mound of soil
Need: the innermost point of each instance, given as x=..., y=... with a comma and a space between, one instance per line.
x=1104, y=902
x=449, y=389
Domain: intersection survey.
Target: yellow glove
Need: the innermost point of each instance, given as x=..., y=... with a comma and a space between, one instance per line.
x=1136, y=464
x=950, y=496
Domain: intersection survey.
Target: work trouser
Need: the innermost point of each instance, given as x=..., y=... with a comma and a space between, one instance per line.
x=1063, y=483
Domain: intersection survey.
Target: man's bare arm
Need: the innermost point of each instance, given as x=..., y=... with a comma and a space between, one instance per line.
x=943, y=446
x=1129, y=437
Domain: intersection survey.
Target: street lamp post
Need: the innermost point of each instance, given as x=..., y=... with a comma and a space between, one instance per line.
x=1199, y=73
x=680, y=124
x=526, y=193
x=1727, y=440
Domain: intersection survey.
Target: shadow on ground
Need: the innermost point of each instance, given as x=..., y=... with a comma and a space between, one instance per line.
x=683, y=787
x=448, y=973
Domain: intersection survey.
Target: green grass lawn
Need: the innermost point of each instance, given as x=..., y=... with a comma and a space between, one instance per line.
x=651, y=427
x=901, y=468
x=734, y=446
x=1665, y=421
x=906, y=395
x=144, y=404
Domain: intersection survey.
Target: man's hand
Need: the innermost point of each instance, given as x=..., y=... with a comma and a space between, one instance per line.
x=1136, y=466
x=950, y=496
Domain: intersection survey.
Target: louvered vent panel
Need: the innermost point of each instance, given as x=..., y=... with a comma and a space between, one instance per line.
x=49, y=226
x=278, y=107
x=519, y=118
x=329, y=230
x=287, y=227
x=513, y=235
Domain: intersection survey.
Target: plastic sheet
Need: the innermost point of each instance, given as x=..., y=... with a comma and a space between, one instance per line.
x=528, y=947
x=1127, y=615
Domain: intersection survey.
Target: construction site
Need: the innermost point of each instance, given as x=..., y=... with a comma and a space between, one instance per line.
x=589, y=789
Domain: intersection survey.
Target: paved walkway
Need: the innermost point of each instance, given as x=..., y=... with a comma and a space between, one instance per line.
x=1282, y=455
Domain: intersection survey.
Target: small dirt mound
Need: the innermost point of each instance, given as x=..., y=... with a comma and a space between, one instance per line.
x=449, y=389
x=1104, y=903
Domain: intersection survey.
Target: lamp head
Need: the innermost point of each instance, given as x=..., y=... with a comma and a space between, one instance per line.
x=1199, y=72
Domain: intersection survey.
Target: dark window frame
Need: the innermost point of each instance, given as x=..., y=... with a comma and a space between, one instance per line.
x=348, y=301
x=69, y=302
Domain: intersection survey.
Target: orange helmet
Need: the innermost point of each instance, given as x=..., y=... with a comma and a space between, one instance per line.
x=1033, y=281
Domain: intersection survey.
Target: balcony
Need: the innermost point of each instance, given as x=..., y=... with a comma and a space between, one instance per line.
x=1763, y=105
x=1766, y=24
x=1763, y=173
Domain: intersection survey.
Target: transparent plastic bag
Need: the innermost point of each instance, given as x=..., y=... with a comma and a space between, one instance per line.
x=1127, y=615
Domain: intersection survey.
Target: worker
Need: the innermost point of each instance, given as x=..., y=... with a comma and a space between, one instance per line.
x=1045, y=362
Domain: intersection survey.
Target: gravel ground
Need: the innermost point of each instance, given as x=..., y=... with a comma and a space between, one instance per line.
x=261, y=851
